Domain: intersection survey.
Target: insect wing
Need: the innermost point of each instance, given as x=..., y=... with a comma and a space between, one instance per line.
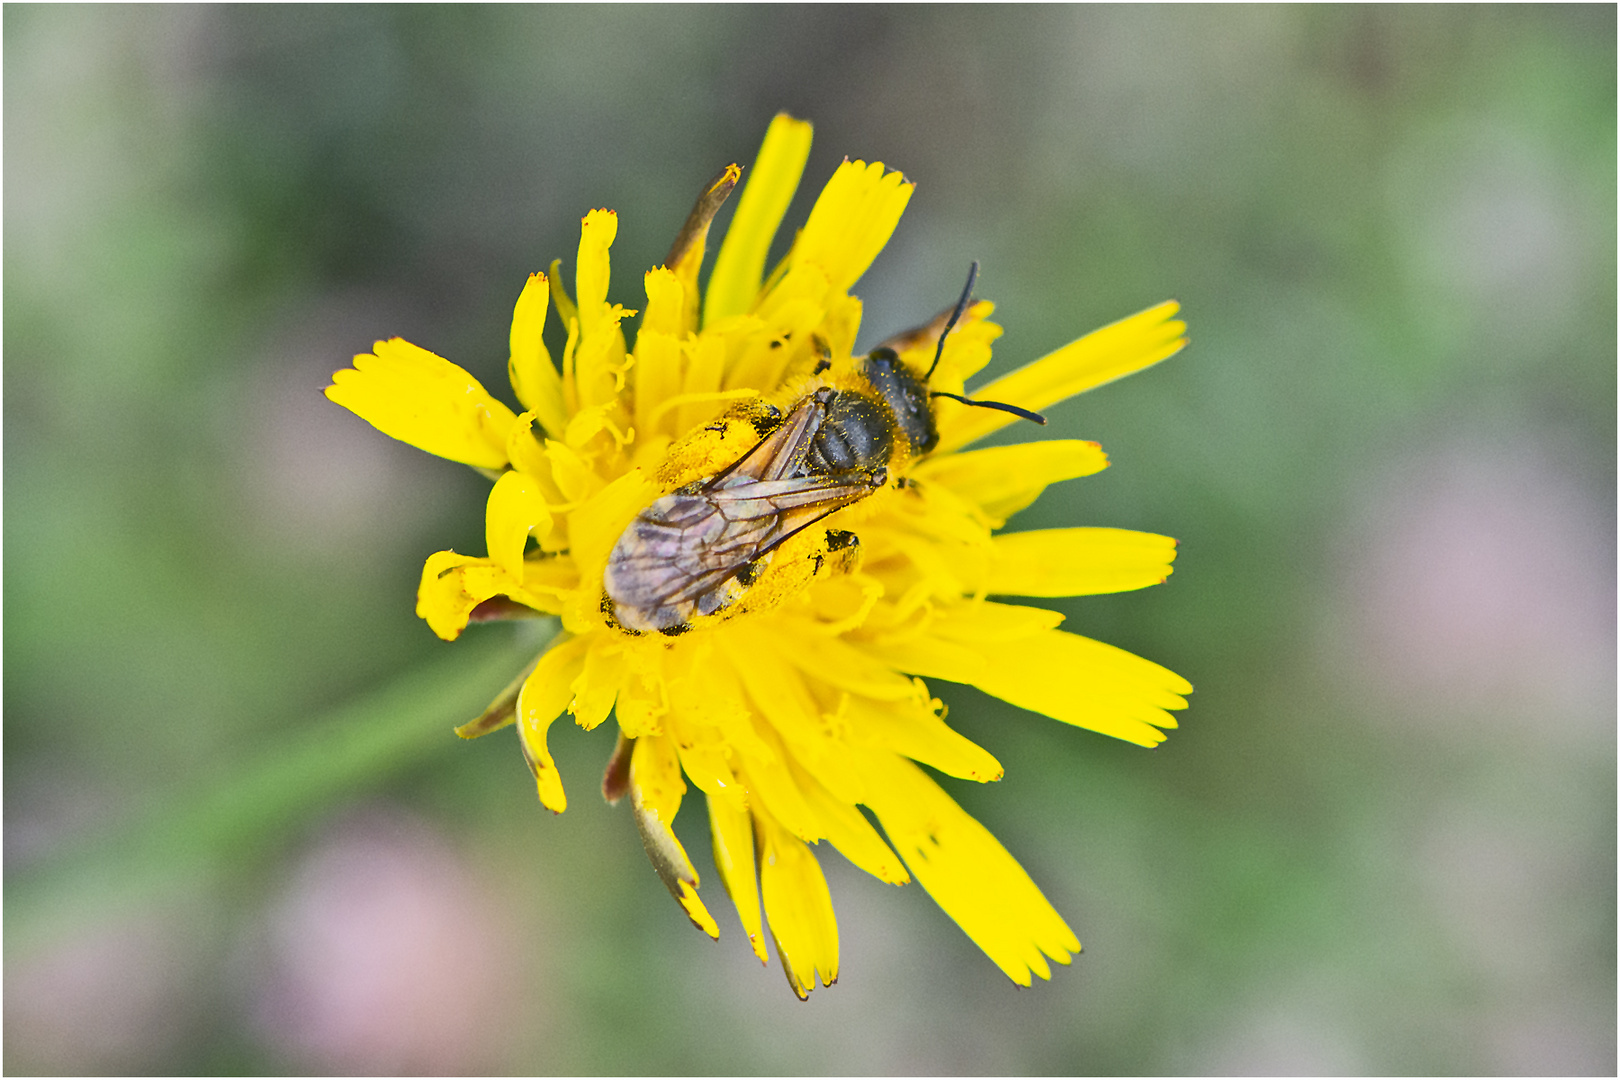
x=679, y=557
x=685, y=547
x=782, y=452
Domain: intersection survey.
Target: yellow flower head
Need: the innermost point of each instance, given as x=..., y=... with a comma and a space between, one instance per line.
x=759, y=542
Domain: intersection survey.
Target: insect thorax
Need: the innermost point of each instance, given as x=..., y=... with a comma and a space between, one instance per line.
x=905, y=396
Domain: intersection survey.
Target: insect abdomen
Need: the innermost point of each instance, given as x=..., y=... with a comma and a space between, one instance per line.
x=855, y=434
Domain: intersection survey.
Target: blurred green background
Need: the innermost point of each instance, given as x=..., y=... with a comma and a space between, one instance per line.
x=239, y=836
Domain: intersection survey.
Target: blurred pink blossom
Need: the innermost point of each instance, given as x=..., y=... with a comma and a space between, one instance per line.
x=388, y=954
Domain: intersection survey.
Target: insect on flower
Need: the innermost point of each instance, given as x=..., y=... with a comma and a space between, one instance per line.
x=696, y=551
x=762, y=546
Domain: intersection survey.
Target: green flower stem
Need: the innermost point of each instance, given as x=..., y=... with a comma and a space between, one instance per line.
x=198, y=830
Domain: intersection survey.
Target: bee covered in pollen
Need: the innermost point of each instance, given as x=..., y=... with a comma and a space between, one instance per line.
x=695, y=553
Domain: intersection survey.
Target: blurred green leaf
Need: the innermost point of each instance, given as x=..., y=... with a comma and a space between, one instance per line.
x=274, y=789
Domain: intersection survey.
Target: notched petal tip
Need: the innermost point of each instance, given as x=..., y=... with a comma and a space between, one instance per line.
x=693, y=906
x=653, y=810
x=420, y=398
x=548, y=785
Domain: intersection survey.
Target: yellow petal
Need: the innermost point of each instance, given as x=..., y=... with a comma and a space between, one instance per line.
x=584, y=427
x=1102, y=356
x=666, y=299
x=546, y=692
x=566, y=309
x=597, y=231
x=949, y=645
x=453, y=585
x=1002, y=480
x=841, y=323
x=655, y=795
x=442, y=599
x=733, y=832
x=740, y=265
x=849, y=832
x=967, y=349
x=989, y=621
x=968, y=873
x=705, y=764
x=934, y=657
x=852, y=220
x=571, y=471
x=704, y=691
x=763, y=348
x=412, y=395
x=1078, y=562
x=528, y=453
x=771, y=789
x=600, y=363
x=598, y=355
x=535, y=379
x=781, y=697
x=798, y=908
x=705, y=367
x=836, y=661
x=693, y=906
x=1083, y=682
x=597, y=686
x=516, y=508
x=656, y=786
x=658, y=379
x=642, y=703
x=921, y=734
x=549, y=577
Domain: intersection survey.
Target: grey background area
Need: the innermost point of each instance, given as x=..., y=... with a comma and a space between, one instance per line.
x=1383, y=839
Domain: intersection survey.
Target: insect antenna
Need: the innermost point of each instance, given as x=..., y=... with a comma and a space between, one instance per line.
x=1018, y=411
x=956, y=313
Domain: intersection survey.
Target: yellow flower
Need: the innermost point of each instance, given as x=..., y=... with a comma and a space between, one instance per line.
x=789, y=691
